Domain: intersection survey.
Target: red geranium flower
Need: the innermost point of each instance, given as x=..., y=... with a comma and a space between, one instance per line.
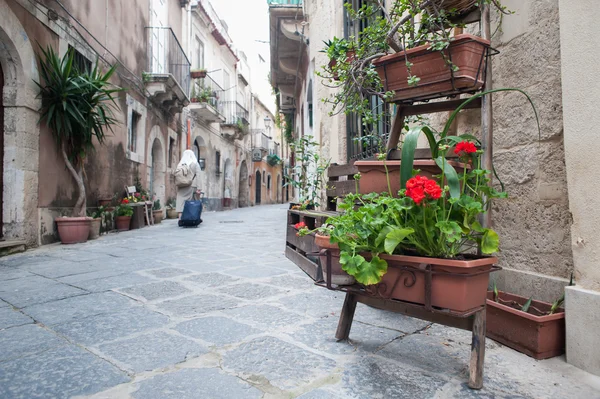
x=300, y=225
x=125, y=201
x=420, y=187
x=464, y=148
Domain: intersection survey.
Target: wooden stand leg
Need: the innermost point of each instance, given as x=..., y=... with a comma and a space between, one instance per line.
x=477, y=351
x=346, y=317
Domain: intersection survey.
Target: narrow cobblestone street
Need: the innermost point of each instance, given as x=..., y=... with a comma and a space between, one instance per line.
x=219, y=312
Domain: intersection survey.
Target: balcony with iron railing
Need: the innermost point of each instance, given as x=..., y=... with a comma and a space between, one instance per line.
x=206, y=96
x=284, y=2
x=235, y=114
x=167, y=75
x=260, y=140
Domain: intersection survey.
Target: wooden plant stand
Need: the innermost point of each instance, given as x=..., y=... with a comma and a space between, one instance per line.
x=303, y=252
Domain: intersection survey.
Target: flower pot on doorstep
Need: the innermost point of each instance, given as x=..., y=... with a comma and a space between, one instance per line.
x=467, y=52
x=73, y=230
x=172, y=213
x=456, y=285
x=123, y=222
x=338, y=275
x=95, y=228
x=157, y=215
x=374, y=180
x=538, y=335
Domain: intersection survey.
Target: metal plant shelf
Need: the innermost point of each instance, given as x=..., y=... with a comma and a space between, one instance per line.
x=305, y=254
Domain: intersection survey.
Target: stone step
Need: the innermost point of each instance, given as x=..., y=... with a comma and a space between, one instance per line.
x=10, y=247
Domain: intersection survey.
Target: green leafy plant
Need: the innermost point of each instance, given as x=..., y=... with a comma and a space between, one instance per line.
x=77, y=106
x=124, y=210
x=96, y=213
x=156, y=205
x=308, y=176
x=273, y=159
x=171, y=203
x=404, y=25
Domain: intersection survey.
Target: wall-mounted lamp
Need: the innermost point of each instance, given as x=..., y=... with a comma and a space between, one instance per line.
x=202, y=163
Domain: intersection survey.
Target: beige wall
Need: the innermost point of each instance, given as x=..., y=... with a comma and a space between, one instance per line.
x=580, y=39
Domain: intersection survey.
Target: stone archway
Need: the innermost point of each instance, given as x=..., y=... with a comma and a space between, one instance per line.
x=243, y=194
x=201, y=151
x=157, y=166
x=20, y=131
x=228, y=186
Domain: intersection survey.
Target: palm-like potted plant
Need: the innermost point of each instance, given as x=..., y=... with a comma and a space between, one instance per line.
x=78, y=107
x=157, y=212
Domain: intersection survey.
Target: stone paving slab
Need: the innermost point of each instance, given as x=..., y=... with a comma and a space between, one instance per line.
x=12, y=318
x=27, y=339
x=62, y=372
x=111, y=326
x=79, y=307
x=152, y=351
x=219, y=311
x=51, y=292
x=216, y=330
x=184, y=384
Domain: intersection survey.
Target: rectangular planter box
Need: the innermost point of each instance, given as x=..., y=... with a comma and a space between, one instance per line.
x=540, y=337
x=373, y=178
x=457, y=285
x=467, y=52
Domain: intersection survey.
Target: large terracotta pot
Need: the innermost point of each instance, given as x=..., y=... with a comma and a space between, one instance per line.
x=539, y=336
x=172, y=213
x=123, y=222
x=73, y=230
x=95, y=228
x=157, y=215
x=338, y=276
x=457, y=285
x=373, y=178
x=467, y=52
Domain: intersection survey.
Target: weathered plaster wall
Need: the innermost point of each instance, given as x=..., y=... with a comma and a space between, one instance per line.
x=580, y=37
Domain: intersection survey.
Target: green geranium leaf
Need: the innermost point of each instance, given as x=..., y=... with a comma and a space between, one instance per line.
x=370, y=273
x=489, y=242
x=351, y=264
x=477, y=227
x=394, y=238
x=452, y=230
x=382, y=235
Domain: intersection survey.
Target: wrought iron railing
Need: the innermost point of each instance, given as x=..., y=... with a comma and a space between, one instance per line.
x=207, y=90
x=166, y=56
x=284, y=2
x=259, y=139
x=235, y=114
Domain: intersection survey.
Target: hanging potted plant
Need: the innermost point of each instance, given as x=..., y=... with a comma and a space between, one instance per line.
x=157, y=212
x=198, y=73
x=123, y=215
x=77, y=107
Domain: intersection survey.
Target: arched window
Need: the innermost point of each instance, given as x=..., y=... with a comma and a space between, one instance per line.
x=263, y=178
x=269, y=182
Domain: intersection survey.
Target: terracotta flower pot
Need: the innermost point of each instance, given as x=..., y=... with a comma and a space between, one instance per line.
x=158, y=215
x=95, y=228
x=539, y=336
x=198, y=74
x=73, y=230
x=467, y=52
x=457, y=285
x=338, y=275
x=104, y=201
x=172, y=213
x=373, y=178
x=123, y=222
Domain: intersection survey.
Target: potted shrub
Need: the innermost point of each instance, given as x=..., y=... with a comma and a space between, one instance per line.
x=77, y=107
x=123, y=215
x=273, y=159
x=171, y=208
x=198, y=73
x=532, y=327
x=157, y=212
x=96, y=221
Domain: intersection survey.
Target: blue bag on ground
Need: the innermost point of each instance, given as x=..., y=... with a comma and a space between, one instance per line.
x=190, y=217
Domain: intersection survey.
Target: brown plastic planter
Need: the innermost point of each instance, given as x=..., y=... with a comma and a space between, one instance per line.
x=457, y=285
x=338, y=276
x=123, y=222
x=540, y=337
x=467, y=52
x=198, y=74
x=373, y=178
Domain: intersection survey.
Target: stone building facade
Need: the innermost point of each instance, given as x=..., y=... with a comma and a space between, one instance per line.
x=548, y=225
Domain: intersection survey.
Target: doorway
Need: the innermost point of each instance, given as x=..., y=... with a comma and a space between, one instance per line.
x=243, y=193
x=1, y=150
x=258, y=183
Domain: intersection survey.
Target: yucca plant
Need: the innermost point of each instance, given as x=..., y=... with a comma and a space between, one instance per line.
x=77, y=106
